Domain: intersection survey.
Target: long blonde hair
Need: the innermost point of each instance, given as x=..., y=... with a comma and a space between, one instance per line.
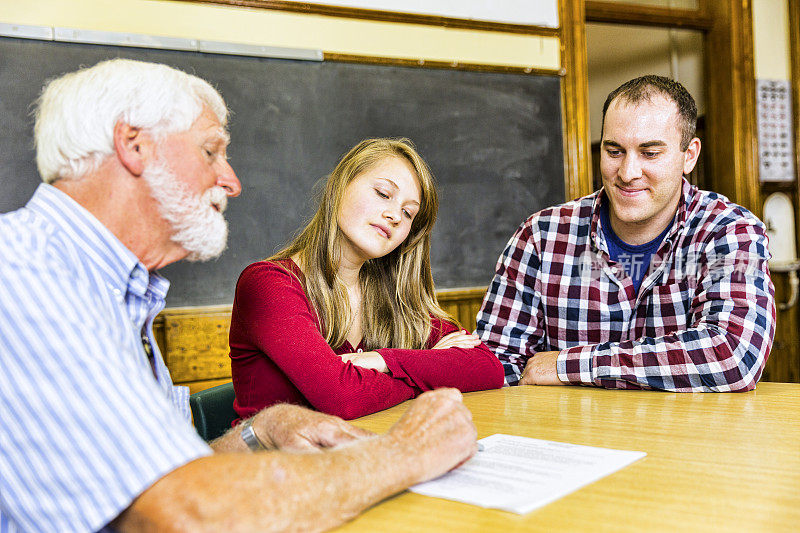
x=397, y=291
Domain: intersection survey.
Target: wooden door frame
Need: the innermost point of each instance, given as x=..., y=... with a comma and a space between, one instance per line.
x=575, y=99
x=732, y=159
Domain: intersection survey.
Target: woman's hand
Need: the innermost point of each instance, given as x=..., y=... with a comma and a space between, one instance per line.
x=371, y=360
x=458, y=339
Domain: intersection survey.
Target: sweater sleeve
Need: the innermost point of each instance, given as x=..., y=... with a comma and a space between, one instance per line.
x=467, y=369
x=272, y=307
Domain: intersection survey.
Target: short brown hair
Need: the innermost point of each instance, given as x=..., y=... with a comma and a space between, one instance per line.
x=642, y=89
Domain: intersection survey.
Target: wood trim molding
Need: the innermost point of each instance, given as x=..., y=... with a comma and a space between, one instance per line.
x=454, y=65
x=665, y=17
x=455, y=295
x=385, y=16
x=575, y=100
x=194, y=342
x=732, y=157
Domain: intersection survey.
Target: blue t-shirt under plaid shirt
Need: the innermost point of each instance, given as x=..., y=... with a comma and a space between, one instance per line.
x=635, y=259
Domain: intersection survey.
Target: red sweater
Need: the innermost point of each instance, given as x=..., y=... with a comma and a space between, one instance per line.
x=279, y=355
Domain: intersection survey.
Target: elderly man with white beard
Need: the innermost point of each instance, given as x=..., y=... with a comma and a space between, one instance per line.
x=93, y=434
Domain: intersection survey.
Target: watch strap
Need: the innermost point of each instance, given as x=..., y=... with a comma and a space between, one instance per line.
x=249, y=436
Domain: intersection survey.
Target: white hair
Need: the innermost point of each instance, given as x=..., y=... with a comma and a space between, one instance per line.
x=77, y=112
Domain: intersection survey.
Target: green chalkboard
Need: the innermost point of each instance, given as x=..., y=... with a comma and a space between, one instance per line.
x=493, y=140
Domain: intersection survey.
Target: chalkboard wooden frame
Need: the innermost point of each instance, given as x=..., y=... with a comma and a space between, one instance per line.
x=448, y=65
x=493, y=140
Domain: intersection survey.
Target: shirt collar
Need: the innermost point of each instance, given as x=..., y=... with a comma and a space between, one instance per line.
x=121, y=268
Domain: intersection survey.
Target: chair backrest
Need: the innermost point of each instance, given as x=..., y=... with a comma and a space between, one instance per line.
x=212, y=410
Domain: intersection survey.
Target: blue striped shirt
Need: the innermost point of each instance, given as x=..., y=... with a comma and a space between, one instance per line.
x=87, y=422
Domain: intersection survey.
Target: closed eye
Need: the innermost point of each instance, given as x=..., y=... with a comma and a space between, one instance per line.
x=216, y=150
x=381, y=194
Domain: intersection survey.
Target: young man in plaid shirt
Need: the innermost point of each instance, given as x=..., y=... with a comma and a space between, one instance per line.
x=649, y=283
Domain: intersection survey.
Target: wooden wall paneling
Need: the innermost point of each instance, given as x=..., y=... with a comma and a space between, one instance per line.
x=783, y=363
x=467, y=314
x=195, y=342
x=732, y=158
x=575, y=99
x=463, y=304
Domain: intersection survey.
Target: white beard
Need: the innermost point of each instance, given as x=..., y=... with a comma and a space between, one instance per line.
x=197, y=227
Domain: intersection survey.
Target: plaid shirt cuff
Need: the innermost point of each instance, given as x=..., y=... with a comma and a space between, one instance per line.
x=574, y=365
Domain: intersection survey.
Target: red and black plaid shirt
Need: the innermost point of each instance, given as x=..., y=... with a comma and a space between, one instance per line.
x=703, y=319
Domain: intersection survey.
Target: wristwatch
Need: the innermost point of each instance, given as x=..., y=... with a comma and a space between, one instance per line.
x=249, y=436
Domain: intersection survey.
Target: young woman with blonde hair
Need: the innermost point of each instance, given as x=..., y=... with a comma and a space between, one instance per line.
x=345, y=318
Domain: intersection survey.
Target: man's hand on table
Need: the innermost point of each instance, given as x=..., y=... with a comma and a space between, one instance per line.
x=541, y=370
x=435, y=435
x=294, y=428
x=307, y=491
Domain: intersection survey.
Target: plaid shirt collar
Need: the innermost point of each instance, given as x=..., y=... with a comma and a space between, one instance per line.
x=597, y=239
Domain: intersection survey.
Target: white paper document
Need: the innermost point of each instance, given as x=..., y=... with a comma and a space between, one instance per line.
x=519, y=474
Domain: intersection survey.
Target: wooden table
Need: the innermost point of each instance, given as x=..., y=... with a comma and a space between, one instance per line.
x=715, y=462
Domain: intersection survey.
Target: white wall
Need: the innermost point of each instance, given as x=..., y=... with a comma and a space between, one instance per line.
x=536, y=12
x=771, y=39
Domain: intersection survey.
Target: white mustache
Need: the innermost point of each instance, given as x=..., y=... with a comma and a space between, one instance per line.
x=216, y=196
